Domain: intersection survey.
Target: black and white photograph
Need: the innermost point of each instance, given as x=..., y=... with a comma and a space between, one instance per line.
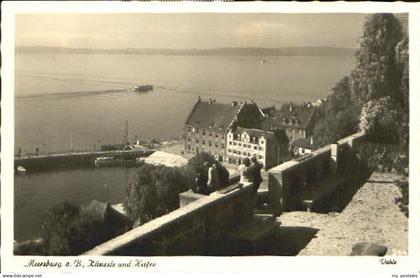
x=150, y=134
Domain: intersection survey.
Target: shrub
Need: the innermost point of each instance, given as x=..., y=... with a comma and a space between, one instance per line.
x=153, y=192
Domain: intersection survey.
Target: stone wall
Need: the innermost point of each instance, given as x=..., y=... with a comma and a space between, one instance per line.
x=313, y=177
x=197, y=228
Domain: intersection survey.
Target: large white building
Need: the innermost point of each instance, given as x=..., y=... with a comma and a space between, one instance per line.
x=269, y=147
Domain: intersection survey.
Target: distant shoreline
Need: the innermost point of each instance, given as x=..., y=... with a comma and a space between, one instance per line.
x=228, y=51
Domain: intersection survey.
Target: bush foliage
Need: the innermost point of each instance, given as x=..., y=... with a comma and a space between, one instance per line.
x=153, y=192
x=374, y=97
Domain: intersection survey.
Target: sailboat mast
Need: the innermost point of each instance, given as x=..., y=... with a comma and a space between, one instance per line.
x=126, y=132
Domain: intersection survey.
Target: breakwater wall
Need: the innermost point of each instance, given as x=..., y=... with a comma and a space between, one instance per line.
x=74, y=160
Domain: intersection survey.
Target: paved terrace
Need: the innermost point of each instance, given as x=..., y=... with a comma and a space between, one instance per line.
x=371, y=216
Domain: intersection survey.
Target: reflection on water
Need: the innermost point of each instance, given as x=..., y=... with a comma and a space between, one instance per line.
x=36, y=193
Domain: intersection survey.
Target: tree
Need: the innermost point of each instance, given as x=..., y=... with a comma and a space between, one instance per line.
x=336, y=126
x=402, y=59
x=375, y=74
x=55, y=228
x=380, y=73
x=153, y=192
x=68, y=229
x=379, y=118
x=338, y=117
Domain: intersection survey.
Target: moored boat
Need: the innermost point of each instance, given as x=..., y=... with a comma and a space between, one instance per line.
x=105, y=161
x=21, y=169
x=109, y=161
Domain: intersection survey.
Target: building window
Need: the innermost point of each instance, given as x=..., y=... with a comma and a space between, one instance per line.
x=210, y=134
x=234, y=143
x=255, y=148
x=230, y=142
x=216, y=145
x=239, y=144
x=189, y=147
x=223, y=136
x=204, y=132
x=197, y=141
x=189, y=139
x=244, y=153
x=223, y=146
x=210, y=143
x=260, y=157
x=216, y=135
x=204, y=142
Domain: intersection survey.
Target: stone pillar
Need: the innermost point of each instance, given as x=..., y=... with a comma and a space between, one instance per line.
x=277, y=192
x=334, y=159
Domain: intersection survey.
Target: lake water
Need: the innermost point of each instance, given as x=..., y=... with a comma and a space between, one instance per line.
x=80, y=101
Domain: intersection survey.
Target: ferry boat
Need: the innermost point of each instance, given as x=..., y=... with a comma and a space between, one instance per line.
x=142, y=88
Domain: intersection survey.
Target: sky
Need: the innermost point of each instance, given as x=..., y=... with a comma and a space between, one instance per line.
x=184, y=31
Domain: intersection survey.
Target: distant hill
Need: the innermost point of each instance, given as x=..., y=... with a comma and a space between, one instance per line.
x=226, y=51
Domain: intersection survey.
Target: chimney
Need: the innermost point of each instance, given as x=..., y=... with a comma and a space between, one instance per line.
x=312, y=141
x=290, y=107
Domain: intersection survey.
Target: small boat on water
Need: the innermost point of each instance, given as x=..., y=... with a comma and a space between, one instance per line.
x=109, y=161
x=21, y=169
x=105, y=161
x=263, y=61
x=142, y=88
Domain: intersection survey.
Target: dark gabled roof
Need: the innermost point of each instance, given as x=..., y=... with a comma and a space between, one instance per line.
x=96, y=209
x=305, y=143
x=290, y=115
x=269, y=111
x=103, y=212
x=214, y=115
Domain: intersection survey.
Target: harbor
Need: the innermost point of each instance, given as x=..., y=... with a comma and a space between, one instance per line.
x=74, y=160
x=231, y=150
